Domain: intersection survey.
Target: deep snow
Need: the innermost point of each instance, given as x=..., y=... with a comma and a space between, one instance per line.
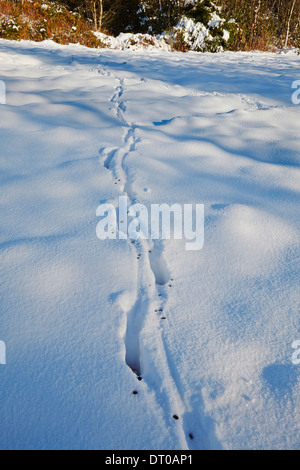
x=82, y=127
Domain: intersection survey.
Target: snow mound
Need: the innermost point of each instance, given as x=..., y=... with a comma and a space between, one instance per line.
x=134, y=42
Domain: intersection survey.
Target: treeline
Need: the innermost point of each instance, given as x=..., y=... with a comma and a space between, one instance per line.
x=264, y=23
x=260, y=23
x=253, y=24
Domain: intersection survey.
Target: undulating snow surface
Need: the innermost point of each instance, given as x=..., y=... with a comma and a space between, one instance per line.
x=83, y=127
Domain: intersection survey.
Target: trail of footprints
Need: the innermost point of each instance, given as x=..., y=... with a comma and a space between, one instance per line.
x=151, y=299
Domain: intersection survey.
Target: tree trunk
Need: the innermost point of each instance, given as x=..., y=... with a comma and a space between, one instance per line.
x=101, y=15
x=95, y=15
x=289, y=24
x=257, y=12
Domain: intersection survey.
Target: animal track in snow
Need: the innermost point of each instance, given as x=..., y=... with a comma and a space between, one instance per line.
x=158, y=264
x=151, y=266
x=108, y=156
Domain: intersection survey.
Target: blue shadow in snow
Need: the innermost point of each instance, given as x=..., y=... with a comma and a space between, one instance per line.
x=281, y=379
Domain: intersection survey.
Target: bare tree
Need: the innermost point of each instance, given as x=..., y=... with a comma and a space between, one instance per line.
x=289, y=23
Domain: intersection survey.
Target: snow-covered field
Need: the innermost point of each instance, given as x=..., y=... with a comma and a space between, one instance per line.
x=83, y=127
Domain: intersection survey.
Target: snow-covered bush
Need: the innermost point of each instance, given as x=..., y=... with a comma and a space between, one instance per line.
x=10, y=27
x=202, y=28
